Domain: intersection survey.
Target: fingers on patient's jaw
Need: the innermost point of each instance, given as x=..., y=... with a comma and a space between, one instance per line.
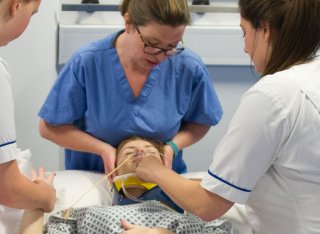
x=166, y=162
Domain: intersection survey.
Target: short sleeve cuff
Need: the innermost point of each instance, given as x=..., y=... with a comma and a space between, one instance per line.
x=8, y=152
x=231, y=192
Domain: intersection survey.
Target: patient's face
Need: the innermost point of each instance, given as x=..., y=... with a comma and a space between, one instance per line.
x=135, y=148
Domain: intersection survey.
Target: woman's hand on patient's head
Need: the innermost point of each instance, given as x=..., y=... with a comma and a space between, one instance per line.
x=168, y=156
x=108, y=156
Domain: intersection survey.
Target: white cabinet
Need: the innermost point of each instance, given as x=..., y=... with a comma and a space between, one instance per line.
x=216, y=37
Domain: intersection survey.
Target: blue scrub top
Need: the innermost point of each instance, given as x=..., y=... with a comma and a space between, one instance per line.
x=93, y=93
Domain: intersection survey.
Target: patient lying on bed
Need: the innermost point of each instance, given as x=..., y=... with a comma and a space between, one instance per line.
x=135, y=201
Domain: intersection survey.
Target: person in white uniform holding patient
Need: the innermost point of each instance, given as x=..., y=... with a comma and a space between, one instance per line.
x=16, y=190
x=269, y=159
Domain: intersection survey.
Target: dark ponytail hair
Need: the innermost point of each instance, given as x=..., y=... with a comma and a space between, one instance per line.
x=294, y=25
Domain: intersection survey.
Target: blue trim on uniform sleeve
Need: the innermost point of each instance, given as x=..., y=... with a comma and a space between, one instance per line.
x=8, y=143
x=226, y=182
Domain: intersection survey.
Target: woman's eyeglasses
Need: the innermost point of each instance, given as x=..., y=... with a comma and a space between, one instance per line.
x=153, y=50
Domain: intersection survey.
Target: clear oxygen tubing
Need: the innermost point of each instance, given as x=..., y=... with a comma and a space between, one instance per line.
x=133, y=198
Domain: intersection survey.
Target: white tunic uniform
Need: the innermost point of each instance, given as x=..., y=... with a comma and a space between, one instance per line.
x=7, y=125
x=270, y=156
x=9, y=218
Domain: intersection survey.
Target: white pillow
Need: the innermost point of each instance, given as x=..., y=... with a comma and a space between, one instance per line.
x=71, y=185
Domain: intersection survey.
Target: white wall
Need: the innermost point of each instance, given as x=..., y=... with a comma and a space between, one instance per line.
x=32, y=63
x=230, y=83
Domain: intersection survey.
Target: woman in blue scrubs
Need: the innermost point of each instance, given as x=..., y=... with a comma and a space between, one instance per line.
x=139, y=81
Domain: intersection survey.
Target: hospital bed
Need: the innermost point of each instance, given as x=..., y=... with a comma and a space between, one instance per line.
x=75, y=188
x=70, y=185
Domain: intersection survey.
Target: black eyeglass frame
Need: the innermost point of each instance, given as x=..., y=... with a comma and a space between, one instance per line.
x=172, y=52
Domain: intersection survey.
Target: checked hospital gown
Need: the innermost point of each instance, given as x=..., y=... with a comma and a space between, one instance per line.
x=106, y=219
